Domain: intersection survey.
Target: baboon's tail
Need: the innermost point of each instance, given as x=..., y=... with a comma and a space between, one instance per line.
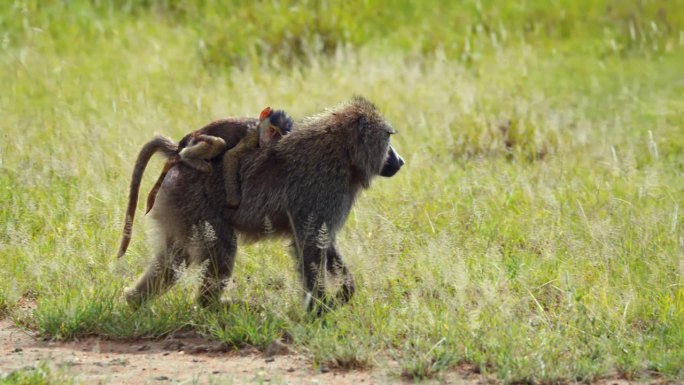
x=158, y=144
x=152, y=196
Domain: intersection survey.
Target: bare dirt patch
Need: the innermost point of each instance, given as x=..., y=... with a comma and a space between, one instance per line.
x=182, y=358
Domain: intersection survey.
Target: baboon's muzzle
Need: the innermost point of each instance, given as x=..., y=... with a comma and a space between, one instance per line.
x=393, y=163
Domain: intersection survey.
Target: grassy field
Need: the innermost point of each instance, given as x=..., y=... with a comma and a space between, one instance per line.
x=534, y=234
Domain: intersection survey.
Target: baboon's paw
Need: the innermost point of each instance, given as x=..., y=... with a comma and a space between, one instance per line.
x=133, y=298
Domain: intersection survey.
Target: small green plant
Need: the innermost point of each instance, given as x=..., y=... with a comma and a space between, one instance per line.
x=422, y=362
x=240, y=325
x=40, y=375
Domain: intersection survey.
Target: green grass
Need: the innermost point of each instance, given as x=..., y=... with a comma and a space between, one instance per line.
x=535, y=232
x=42, y=375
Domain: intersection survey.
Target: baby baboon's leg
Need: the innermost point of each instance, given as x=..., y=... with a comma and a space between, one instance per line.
x=221, y=256
x=159, y=276
x=195, y=155
x=198, y=164
x=204, y=147
x=231, y=165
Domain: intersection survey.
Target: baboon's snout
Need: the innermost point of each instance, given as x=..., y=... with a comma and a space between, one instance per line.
x=393, y=163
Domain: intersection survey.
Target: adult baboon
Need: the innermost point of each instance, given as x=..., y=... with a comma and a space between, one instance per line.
x=302, y=187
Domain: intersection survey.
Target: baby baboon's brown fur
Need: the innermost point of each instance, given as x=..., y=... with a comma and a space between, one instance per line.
x=202, y=148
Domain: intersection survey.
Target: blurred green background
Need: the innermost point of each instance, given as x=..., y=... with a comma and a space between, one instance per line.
x=534, y=235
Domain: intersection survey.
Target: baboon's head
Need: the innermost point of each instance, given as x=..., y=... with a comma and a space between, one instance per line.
x=353, y=135
x=273, y=125
x=374, y=154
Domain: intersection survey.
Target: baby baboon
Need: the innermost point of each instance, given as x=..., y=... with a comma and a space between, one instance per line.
x=302, y=187
x=272, y=125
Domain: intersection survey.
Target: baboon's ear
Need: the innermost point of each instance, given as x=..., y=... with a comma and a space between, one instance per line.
x=265, y=113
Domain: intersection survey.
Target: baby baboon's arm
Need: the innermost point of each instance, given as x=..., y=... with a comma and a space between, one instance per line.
x=231, y=165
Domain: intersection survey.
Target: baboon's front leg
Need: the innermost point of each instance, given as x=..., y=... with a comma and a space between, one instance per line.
x=312, y=268
x=337, y=267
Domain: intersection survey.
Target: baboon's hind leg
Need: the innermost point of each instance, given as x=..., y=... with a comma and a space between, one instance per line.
x=221, y=257
x=159, y=276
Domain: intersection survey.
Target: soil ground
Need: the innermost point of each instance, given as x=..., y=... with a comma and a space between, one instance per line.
x=181, y=358
x=188, y=358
